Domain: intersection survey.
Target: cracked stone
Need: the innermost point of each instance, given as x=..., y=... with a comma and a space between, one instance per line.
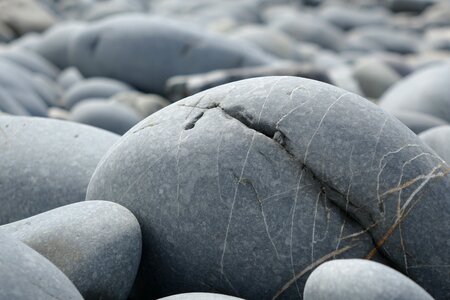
x=249, y=186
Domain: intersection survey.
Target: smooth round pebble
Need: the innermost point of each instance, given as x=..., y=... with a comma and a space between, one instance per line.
x=69, y=77
x=46, y=163
x=438, y=138
x=200, y=296
x=359, y=279
x=417, y=121
x=27, y=275
x=425, y=91
x=112, y=116
x=97, y=244
x=93, y=88
x=143, y=104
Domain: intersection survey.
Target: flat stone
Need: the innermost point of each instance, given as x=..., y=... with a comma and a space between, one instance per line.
x=276, y=175
x=145, y=51
x=46, y=163
x=97, y=244
x=425, y=91
x=108, y=115
x=438, y=138
x=93, y=88
x=27, y=275
x=344, y=279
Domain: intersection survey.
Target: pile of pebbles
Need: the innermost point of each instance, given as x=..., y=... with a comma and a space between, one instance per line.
x=220, y=150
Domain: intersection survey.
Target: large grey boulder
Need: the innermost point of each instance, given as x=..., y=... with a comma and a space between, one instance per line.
x=54, y=44
x=27, y=275
x=425, y=91
x=93, y=88
x=108, y=115
x=97, y=244
x=276, y=175
x=46, y=163
x=145, y=51
x=358, y=279
x=438, y=138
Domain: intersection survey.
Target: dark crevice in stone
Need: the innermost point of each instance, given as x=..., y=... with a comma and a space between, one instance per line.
x=94, y=43
x=279, y=138
x=191, y=124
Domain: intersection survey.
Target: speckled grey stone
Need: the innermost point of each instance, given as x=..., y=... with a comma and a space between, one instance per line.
x=425, y=91
x=97, y=244
x=27, y=275
x=46, y=163
x=359, y=279
x=417, y=121
x=108, y=115
x=93, y=88
x=248, y=186
x=438, y=138
x=200, y=296
x=145, y=51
